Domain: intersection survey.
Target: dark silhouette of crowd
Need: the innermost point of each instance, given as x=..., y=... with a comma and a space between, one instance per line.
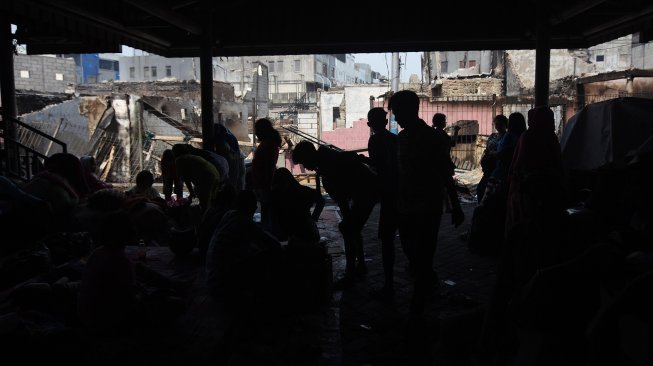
x=573, y=269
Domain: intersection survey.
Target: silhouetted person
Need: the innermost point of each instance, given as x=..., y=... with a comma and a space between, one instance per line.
x=201, y=177
x=63, y=185
x=226, y=144
x=218, y=161
x=70, y=168
x=171, y=181
x=291, y=204
x=537, y=152
x=424, y=172
x=90, y=169
x=382, y=148
x=223, y=201
x=107, y=298
x=488, y=222
x=288, y=147
x=507, y=145
x=489, y=157
x=439, y=122
x=241, y=257
x=143, y=187
x=264, y=164
x=351, y=184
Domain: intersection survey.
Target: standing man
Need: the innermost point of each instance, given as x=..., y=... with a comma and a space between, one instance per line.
x=489, y=158
x=439, y=122
x=352, y=184
x=424, y=171
x=382, y=148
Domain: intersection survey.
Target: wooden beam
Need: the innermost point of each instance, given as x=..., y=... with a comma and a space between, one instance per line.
x=175, y=138
x=98, y=20
x=615, y=75
x=631, y=17
x=573, y=11
x=166, y=15
x=105, y=167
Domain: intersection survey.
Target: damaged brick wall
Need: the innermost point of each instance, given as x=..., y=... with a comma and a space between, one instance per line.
x=92, y=108
x=170, y=97
x=176, y=89
x=472, y=86
x=187, y=89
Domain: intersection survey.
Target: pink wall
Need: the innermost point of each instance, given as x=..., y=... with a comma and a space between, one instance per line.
x=349, y=138
x=356, y=137
x=480, y=111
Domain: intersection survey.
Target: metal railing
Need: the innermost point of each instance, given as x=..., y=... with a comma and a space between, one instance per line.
x=306, y=136
x=19, y=160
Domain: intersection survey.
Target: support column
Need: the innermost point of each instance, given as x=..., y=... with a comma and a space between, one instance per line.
x=542, y=55
x=629, y=85
x=7, y=83
x=206, y=76
x=580, y=96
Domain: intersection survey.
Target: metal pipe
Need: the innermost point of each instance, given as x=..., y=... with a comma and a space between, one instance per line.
x=542, y=55
x=206, y=77
x=7, y=83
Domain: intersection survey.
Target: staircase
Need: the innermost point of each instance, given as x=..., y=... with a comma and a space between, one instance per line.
x=18, y=160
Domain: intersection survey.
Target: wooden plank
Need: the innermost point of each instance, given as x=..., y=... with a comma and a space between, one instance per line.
x=175, y=138
x=107, y=163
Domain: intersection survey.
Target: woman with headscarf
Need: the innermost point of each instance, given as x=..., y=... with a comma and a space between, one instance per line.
x=62, y=185
x=89, y=166
x=226, y=144
x=70, y=168
x=505, y=149
x=487, y=232
x=537, y=156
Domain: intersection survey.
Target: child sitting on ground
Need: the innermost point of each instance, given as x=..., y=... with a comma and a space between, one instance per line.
x=143, y=187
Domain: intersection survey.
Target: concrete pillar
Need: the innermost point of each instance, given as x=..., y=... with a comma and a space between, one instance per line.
x=7, y=83
x=206, y=77
x=580, y=96
x=542, y=55
x=629, y=85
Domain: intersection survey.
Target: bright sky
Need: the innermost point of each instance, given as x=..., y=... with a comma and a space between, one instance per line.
x=382, y=62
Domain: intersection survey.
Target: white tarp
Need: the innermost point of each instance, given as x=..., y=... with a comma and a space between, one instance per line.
x=606, y=131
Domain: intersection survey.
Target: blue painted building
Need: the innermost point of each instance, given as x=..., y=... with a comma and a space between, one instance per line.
x=91, y=68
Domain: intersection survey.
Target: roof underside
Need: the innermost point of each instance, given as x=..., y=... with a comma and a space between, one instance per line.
x=242, y=28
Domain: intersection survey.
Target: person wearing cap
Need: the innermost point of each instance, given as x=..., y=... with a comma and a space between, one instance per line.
x=382, y=148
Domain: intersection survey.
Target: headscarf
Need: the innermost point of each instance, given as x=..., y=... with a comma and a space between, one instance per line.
x=70, y=168
x=538, y=150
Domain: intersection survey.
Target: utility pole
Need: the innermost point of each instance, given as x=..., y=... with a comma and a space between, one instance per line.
x=395, y=72
x=394, y=85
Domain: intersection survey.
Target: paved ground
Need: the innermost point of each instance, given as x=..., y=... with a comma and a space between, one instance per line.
x=373, y=333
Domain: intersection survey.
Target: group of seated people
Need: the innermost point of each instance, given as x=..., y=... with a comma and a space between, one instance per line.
x=241, y=260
